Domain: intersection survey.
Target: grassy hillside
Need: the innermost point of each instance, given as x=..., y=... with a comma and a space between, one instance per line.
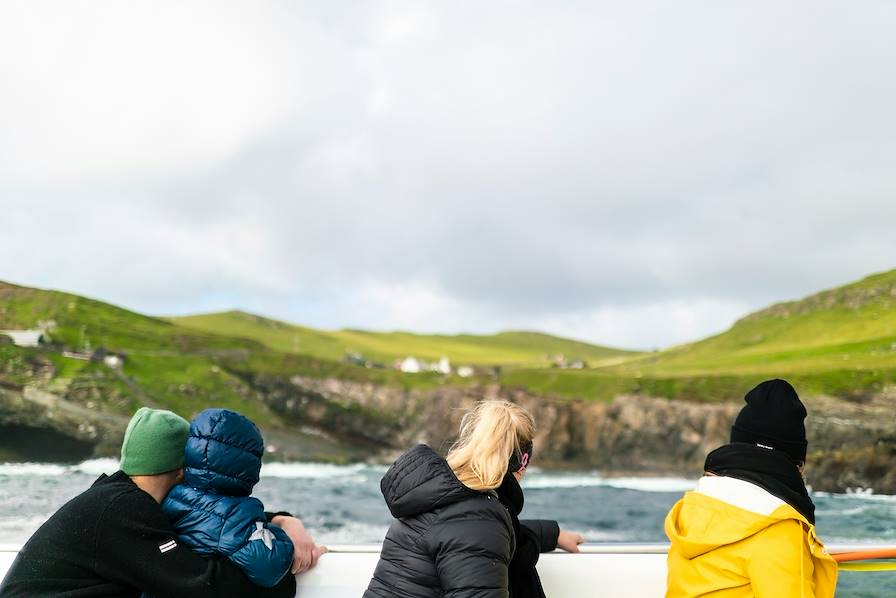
x=852, y=326
x=506, y=348
x=79, y=323
x=840, y=341
x=167, y=365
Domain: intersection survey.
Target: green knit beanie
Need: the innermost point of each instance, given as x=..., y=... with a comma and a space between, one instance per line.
x=154, y=442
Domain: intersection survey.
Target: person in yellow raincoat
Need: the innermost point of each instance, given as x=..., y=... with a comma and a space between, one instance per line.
x=748, y=529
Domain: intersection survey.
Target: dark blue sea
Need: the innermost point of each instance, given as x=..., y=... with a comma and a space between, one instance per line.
x=343, y=505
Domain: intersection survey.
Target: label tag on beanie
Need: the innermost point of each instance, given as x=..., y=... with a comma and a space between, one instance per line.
x=765, y=446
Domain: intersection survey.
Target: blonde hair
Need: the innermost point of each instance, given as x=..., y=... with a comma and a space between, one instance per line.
x=489, y=435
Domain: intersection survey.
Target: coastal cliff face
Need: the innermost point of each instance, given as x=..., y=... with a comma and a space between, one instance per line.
x=39, y=426
x=851, y=444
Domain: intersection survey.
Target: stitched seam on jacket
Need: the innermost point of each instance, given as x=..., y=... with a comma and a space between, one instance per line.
x=218, y=473
x=429, y=455
x=242, y=447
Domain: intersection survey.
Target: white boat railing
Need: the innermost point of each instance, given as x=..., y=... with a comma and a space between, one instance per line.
x=611, y=570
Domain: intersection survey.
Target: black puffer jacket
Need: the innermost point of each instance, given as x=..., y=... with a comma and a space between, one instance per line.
x=447, y=541
x=532, y=538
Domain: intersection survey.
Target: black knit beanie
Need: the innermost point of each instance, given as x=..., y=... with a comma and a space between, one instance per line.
x=773, y=418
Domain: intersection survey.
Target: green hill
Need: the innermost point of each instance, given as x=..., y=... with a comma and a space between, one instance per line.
x=166, y=365
x=840, y=341
x=505, y=348
x=852, y=326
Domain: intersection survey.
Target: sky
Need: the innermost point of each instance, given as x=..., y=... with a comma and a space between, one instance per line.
x=635, y=174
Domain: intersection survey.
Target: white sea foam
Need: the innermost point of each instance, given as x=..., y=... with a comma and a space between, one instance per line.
x=653, y=484
x=97, y=466
x=16, y=530
x=819, y=513
x=864, y=494
x=543, y=480
x=32, y=469
x=92, y=467
x=359, y=473
x=318, y=470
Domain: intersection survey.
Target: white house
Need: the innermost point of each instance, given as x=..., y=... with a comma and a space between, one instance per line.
x=114, y=360
x=465, y=371
x=442, y=366
x=24, y=338
x=410, y=365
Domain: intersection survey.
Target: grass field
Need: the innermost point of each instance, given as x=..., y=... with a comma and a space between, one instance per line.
x=167, y=365
x=505, y=348
x=840, y=342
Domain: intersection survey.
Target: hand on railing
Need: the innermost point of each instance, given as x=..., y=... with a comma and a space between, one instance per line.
x=569, y=541
x=306, y=551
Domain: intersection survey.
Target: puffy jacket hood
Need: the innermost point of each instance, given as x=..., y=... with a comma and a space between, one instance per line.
x=698, y=524
x=420, y=481
x=223, y=453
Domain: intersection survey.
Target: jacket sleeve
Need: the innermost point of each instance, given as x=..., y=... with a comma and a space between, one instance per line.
x=267, y=555
x=544, y=531
x=471, y=557
x=782, y=564
x=137, y=547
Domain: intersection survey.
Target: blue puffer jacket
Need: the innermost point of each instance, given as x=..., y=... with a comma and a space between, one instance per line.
x=212, y=510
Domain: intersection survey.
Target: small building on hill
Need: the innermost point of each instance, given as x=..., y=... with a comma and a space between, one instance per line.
x=109, y=358
x=442, y=366
x=465, y=371
x=410, y=365
x=25, y=338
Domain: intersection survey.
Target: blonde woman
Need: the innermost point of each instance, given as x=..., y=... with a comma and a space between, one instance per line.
x=456, y=531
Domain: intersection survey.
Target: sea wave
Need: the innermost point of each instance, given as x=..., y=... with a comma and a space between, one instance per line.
x=861, y=494
x=35, y=469
x=96, y=467
x=91, y=467
x=850, y=512
x=318, y=470
x=537, y=479
x=17, y=530
x=645, y=484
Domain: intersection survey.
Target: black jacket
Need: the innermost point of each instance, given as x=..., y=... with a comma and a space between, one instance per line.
x=113, y=540
x=447, y=540
x=532, y=538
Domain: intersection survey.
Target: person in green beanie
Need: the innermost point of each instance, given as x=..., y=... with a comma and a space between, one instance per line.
x=113, y=540
x=153, y=442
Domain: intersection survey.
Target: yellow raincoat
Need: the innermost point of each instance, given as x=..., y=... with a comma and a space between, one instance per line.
x=724, y=551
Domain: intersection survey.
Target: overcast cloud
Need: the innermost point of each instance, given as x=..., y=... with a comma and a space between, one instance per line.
x=634, y=174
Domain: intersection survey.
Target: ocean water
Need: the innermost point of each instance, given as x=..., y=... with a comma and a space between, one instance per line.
x=343, y=505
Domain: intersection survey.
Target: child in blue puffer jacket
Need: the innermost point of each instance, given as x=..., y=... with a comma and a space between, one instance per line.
x=212, y=511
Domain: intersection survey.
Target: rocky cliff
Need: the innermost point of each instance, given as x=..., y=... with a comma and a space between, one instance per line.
x=851, y=444
x=39, y=426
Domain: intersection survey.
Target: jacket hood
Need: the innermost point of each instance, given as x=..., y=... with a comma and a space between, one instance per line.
x=698, y=524
x=223, y=453
x=420, y=481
